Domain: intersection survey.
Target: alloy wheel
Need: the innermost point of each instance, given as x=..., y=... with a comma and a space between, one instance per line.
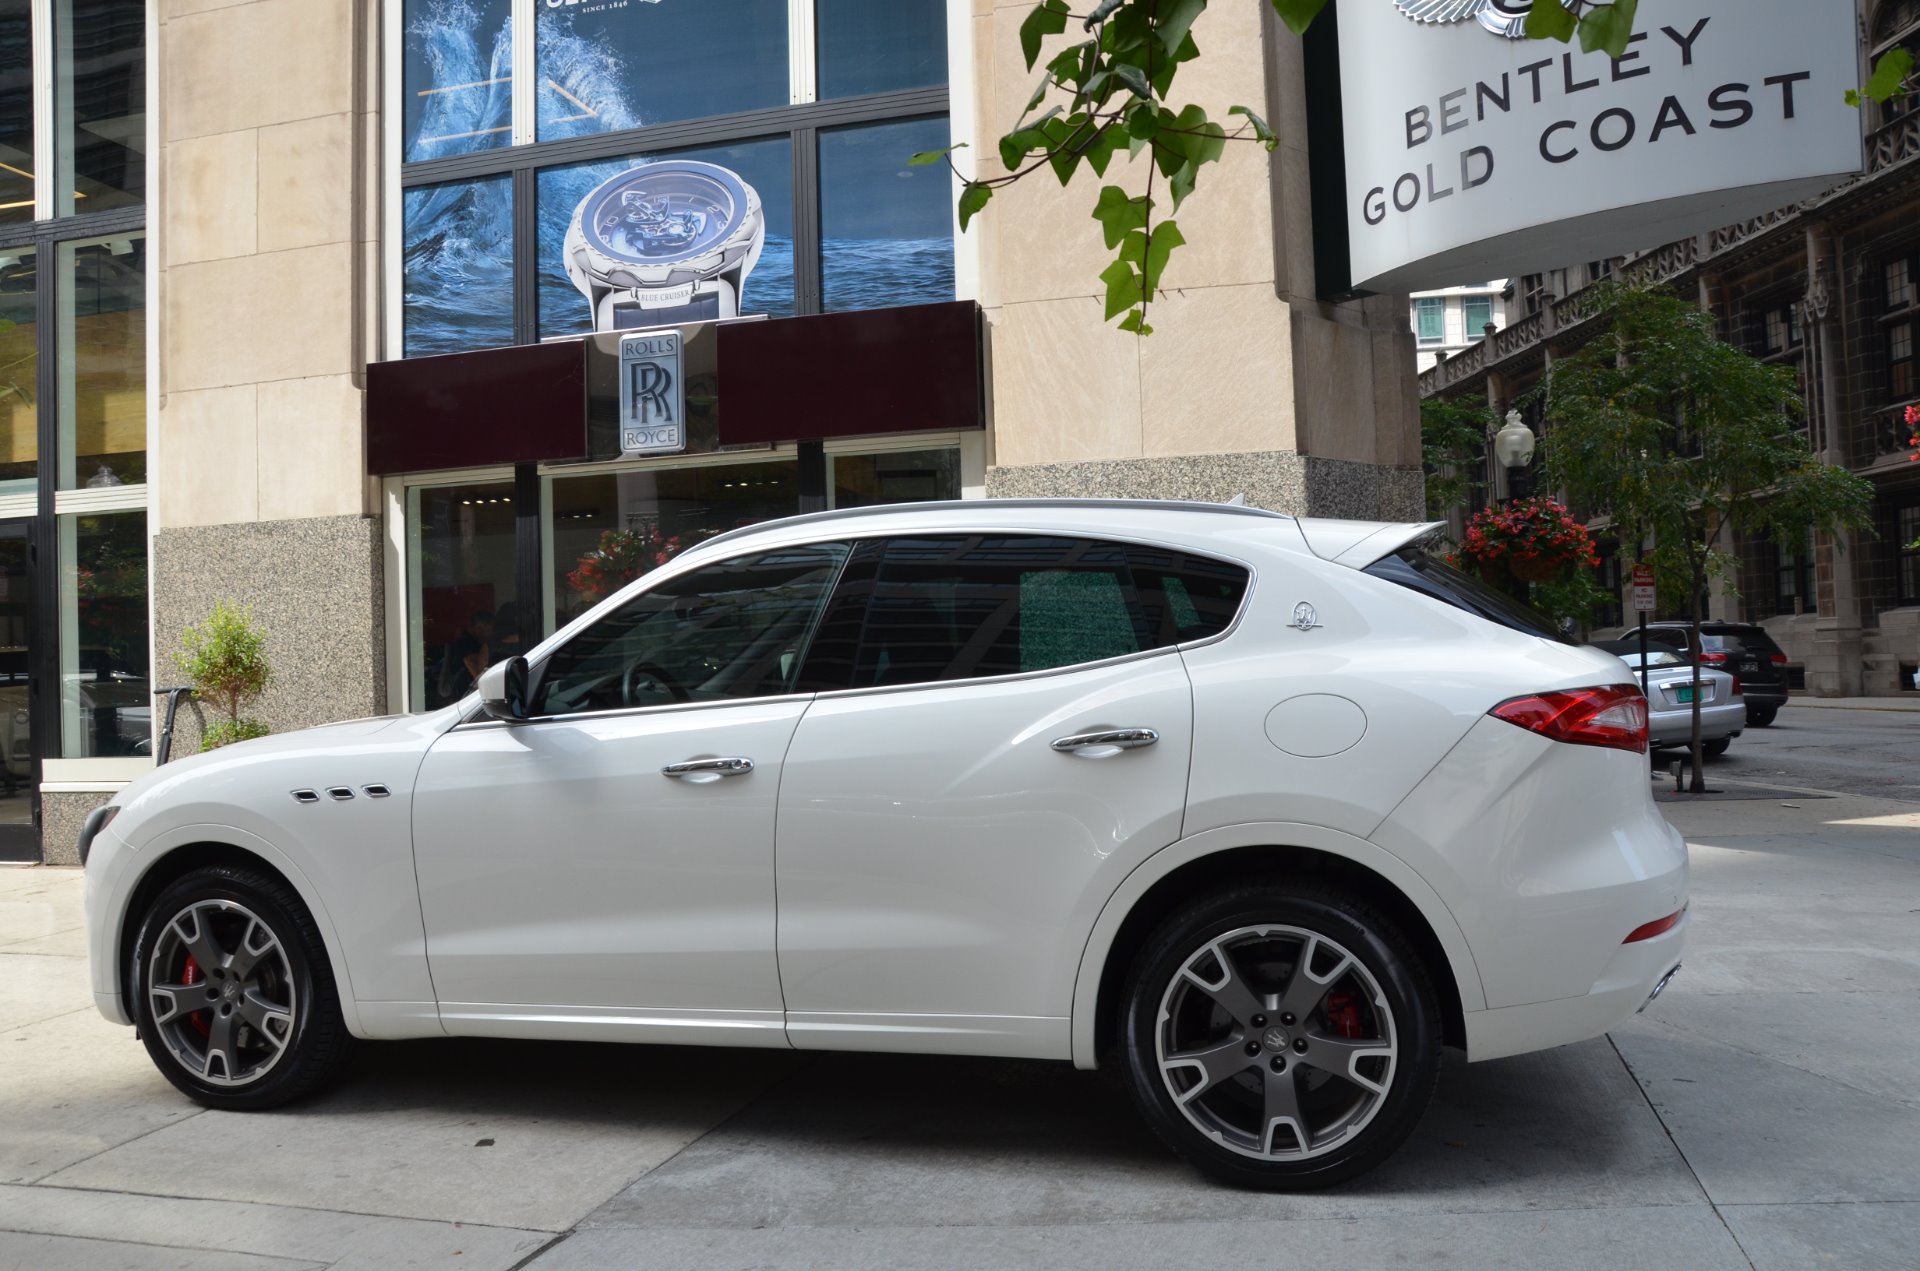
x=1276, y=1042
x=221, y=993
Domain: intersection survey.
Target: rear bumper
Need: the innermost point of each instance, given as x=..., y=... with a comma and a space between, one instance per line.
x=1675, y=728
x=1632, y=977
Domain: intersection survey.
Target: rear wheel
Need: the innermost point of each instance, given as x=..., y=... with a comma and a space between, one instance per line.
x=233, y=993
x=1761, y=716
x=1715, y=748
x=1281, y=1039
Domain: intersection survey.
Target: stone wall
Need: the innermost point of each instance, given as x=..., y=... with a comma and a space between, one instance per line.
x=62, y=813
x=315, y=586
x=1280, y=480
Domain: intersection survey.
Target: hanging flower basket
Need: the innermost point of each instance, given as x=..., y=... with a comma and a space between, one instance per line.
x=1533, y=540
x=620, y=557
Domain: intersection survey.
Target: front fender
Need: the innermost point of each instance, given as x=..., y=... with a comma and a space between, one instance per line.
x=108, y=955
x=1093, y=961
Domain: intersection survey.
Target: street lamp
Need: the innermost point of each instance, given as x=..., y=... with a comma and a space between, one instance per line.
x=1513, y=447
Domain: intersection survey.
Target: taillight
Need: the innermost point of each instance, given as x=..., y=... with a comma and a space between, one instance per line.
x=1658, y=927
x=1715, y=658
x=1614, y=716
x=1778, y=659
x=1737, y=690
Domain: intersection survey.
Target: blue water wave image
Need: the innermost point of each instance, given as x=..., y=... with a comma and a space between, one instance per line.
x=459, y=74
x=873, y=273
x=458, y=258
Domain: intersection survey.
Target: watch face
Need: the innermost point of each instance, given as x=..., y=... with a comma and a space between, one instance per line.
x=663, y=212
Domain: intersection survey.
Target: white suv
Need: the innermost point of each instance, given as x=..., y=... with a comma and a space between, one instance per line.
x=1267, y=810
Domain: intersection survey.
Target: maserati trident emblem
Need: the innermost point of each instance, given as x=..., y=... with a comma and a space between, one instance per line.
x=1502, y=17
x=1304, y=617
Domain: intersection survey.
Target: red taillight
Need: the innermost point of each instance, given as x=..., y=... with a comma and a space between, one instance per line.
x=1652, y=929
x=1715, y=658
x=1614, y=716
x=1778, y=659
x=1736, y=686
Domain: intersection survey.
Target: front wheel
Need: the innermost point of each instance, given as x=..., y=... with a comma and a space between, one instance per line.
x=1281, y=1039
x=233, y=993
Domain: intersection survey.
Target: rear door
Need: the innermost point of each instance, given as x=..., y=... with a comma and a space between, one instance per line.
x=1001, y=716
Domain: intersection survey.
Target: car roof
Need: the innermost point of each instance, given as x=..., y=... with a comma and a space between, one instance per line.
x=1196, y=523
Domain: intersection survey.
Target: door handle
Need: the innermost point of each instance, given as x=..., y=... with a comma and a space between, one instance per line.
x=1106, y=741
x=708, y=768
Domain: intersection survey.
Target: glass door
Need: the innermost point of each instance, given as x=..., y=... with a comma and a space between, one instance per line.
x=19, y=786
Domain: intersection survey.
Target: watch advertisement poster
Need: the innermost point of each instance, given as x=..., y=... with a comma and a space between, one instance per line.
x=637, y=240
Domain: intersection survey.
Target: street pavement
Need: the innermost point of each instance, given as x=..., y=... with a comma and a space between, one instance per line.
x=1764, y=1113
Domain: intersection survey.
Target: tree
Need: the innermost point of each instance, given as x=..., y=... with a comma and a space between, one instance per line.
x=1117, y=83
x=226, y=658
x=1453, y=446
x=1676, y=436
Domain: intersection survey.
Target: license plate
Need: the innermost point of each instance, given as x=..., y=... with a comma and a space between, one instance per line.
x=1749, y=666
x=1684, y=696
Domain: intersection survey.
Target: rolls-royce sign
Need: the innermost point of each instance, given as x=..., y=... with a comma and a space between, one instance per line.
x=1470, y=158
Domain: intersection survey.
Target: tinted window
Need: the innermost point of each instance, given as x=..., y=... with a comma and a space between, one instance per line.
x=880, y=46
x=731, y=630
x=924, y=610
x=1415, y=570
x=1186, y=597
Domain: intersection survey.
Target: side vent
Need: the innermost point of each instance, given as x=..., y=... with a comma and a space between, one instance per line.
x=341, y=793
x=375, y=792
x=305, y=796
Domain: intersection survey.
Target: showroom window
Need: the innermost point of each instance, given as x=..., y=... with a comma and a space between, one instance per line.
x=765, y=142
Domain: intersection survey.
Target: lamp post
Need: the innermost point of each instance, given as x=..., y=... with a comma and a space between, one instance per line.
x=1513, y=447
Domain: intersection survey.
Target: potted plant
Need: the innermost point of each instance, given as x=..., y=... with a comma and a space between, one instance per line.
x=1531, y=540
x=225, y=658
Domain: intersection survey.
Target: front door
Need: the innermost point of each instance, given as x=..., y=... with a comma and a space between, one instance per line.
x=19, y=786
x=605, y=869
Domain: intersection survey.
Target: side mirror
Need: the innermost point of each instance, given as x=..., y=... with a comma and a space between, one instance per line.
x=503, y=690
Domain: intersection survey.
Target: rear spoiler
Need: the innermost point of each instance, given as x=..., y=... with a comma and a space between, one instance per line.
x=1358, y=544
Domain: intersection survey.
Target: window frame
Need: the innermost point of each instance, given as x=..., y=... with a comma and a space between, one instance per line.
x=1422, y=306
x=800, y=121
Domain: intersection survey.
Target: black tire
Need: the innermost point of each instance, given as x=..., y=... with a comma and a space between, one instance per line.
x=1761, y=716
x=1715, y=748
x=262, y=1059
x=1240, y=1105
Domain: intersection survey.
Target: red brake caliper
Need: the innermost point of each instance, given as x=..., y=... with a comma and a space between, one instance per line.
x=1343, y=1012
x=190, y=974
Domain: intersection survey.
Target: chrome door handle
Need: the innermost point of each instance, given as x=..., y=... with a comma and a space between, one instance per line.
x=709, y=768
x=1107, y=739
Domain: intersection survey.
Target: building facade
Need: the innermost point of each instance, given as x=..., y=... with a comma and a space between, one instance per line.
x=1830, y=288
x=1455, y=318
x=393, y=248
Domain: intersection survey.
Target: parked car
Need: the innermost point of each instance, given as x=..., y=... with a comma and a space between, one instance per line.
x=1739, y=648
x=1669, y=688
x=1265, y=810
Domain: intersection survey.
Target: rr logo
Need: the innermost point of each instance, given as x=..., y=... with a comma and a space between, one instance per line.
x=649, y=385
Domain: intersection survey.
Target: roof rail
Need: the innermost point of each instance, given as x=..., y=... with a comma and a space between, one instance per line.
x=886, y=509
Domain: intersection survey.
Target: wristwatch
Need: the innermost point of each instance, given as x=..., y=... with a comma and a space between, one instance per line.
x=666, y=242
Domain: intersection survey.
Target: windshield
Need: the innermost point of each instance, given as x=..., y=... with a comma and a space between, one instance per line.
x=1413, y=568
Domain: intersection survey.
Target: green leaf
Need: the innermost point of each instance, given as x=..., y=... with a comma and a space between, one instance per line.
x=1261, y=132
x=1608, y=26
x=1123, y=288
x=1889, y=74
x=1549, y=20
x=1102, y=11
x=1070, y=64
x=972, y=199
x=1181, y=183
x=926, y=157
x=1049, y=17
x=1119, y=214
x=1204, y=140
x=1136, y=322
x=1100, y=151
x=1143, y=120
x=1176, y=18
x=1133, y=249
x=1040, y=92
x=1166, y=237
x=1298, y=14
x=1853, y=98
x=1133, y=77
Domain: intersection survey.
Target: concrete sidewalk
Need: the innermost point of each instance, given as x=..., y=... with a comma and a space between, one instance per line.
x=1765, y=1113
